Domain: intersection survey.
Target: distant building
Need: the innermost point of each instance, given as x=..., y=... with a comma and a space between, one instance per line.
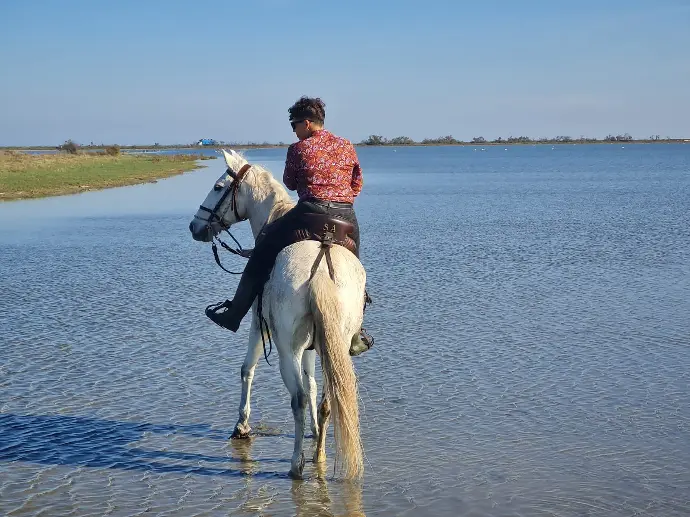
x=207, y=141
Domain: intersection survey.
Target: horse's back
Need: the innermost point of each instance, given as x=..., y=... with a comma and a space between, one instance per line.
x=296, y=262
x=287, y=291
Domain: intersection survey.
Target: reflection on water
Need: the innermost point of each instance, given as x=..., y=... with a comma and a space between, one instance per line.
x=312, y=497
x=531, y=358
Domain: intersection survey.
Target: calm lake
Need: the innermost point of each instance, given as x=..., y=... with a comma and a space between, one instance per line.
x=532, y=357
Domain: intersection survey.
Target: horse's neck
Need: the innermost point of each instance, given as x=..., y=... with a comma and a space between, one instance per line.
x=267, y=210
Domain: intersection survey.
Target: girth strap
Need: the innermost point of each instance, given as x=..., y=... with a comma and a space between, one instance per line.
x=326, y=244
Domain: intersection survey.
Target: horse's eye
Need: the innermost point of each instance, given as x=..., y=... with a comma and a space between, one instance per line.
x=218, y=186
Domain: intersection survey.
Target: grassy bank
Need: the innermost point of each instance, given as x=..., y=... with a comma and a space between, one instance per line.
x=24, y=176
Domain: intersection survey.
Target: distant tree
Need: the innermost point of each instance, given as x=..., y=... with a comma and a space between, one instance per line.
x=374, y=140
x=449, y=140
x=479, y=140
x=69, y=147
x=442, y=140
x=401, y=140
x=519, y=139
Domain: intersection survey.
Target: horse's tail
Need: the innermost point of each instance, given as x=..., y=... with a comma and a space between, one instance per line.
x=340, y=383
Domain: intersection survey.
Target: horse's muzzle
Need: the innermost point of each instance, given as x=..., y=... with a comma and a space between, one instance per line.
x=200, y=232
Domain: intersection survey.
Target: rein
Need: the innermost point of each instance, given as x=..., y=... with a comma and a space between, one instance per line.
x=232, y=250
x=239, y=251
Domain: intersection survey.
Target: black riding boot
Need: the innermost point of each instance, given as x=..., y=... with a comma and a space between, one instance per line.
x=361, y=342
x=238, y=307
x=269, y=242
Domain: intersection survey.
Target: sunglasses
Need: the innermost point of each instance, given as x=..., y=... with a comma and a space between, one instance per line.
x=294, y=123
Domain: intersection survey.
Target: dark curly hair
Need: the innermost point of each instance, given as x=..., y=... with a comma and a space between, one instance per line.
x=308, y=108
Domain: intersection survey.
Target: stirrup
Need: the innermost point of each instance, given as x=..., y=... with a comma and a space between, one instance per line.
x=215, y=307
x=214, y=314
x=367, y=338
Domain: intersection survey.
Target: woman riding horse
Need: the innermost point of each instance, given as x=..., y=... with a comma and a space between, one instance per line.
x=325, y=171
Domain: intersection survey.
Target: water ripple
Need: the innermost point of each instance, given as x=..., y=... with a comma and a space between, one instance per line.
x=531, y=358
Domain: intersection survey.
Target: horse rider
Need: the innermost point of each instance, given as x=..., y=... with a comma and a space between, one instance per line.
x=324, y=170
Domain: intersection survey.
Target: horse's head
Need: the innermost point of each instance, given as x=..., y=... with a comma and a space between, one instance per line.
x=224, y=204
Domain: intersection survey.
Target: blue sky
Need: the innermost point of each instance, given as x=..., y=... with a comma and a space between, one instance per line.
x=171, y=72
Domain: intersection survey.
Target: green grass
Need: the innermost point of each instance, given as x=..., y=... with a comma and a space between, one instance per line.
x=24, y=176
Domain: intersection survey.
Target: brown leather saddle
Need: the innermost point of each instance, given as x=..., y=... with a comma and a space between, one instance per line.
x=326, y=229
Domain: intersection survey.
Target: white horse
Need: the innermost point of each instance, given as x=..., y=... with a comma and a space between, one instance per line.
x=301, y=310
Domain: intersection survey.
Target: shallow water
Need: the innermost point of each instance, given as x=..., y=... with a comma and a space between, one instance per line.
x=531, y=358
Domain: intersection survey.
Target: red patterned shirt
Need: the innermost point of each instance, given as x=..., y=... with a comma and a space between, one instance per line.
x=323, y=166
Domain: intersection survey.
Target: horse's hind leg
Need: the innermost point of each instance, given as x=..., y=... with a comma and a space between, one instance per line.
x=324, y=414
x=309, y=383
x=290, y=369
x=253, y=353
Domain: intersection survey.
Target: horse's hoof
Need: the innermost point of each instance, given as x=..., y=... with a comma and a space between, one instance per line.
x=296, y=470
x=240, y=433
x=295, y=475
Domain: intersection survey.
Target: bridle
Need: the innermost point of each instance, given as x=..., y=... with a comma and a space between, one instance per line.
x=214, y=217
x=232, y=191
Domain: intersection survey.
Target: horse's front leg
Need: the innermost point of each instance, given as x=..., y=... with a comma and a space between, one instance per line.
x=254, y=347
x=309, y=383
x=290, y=370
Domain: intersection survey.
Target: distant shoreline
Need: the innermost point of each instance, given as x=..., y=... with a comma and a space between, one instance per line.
x=360, y=144
x=505, y=144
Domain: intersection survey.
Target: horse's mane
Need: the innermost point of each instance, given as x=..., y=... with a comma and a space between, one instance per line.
x=266, y=186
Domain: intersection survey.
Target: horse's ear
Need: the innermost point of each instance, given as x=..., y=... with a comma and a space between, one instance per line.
x=229, y=161
x=228, y=158
x=233, y=160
